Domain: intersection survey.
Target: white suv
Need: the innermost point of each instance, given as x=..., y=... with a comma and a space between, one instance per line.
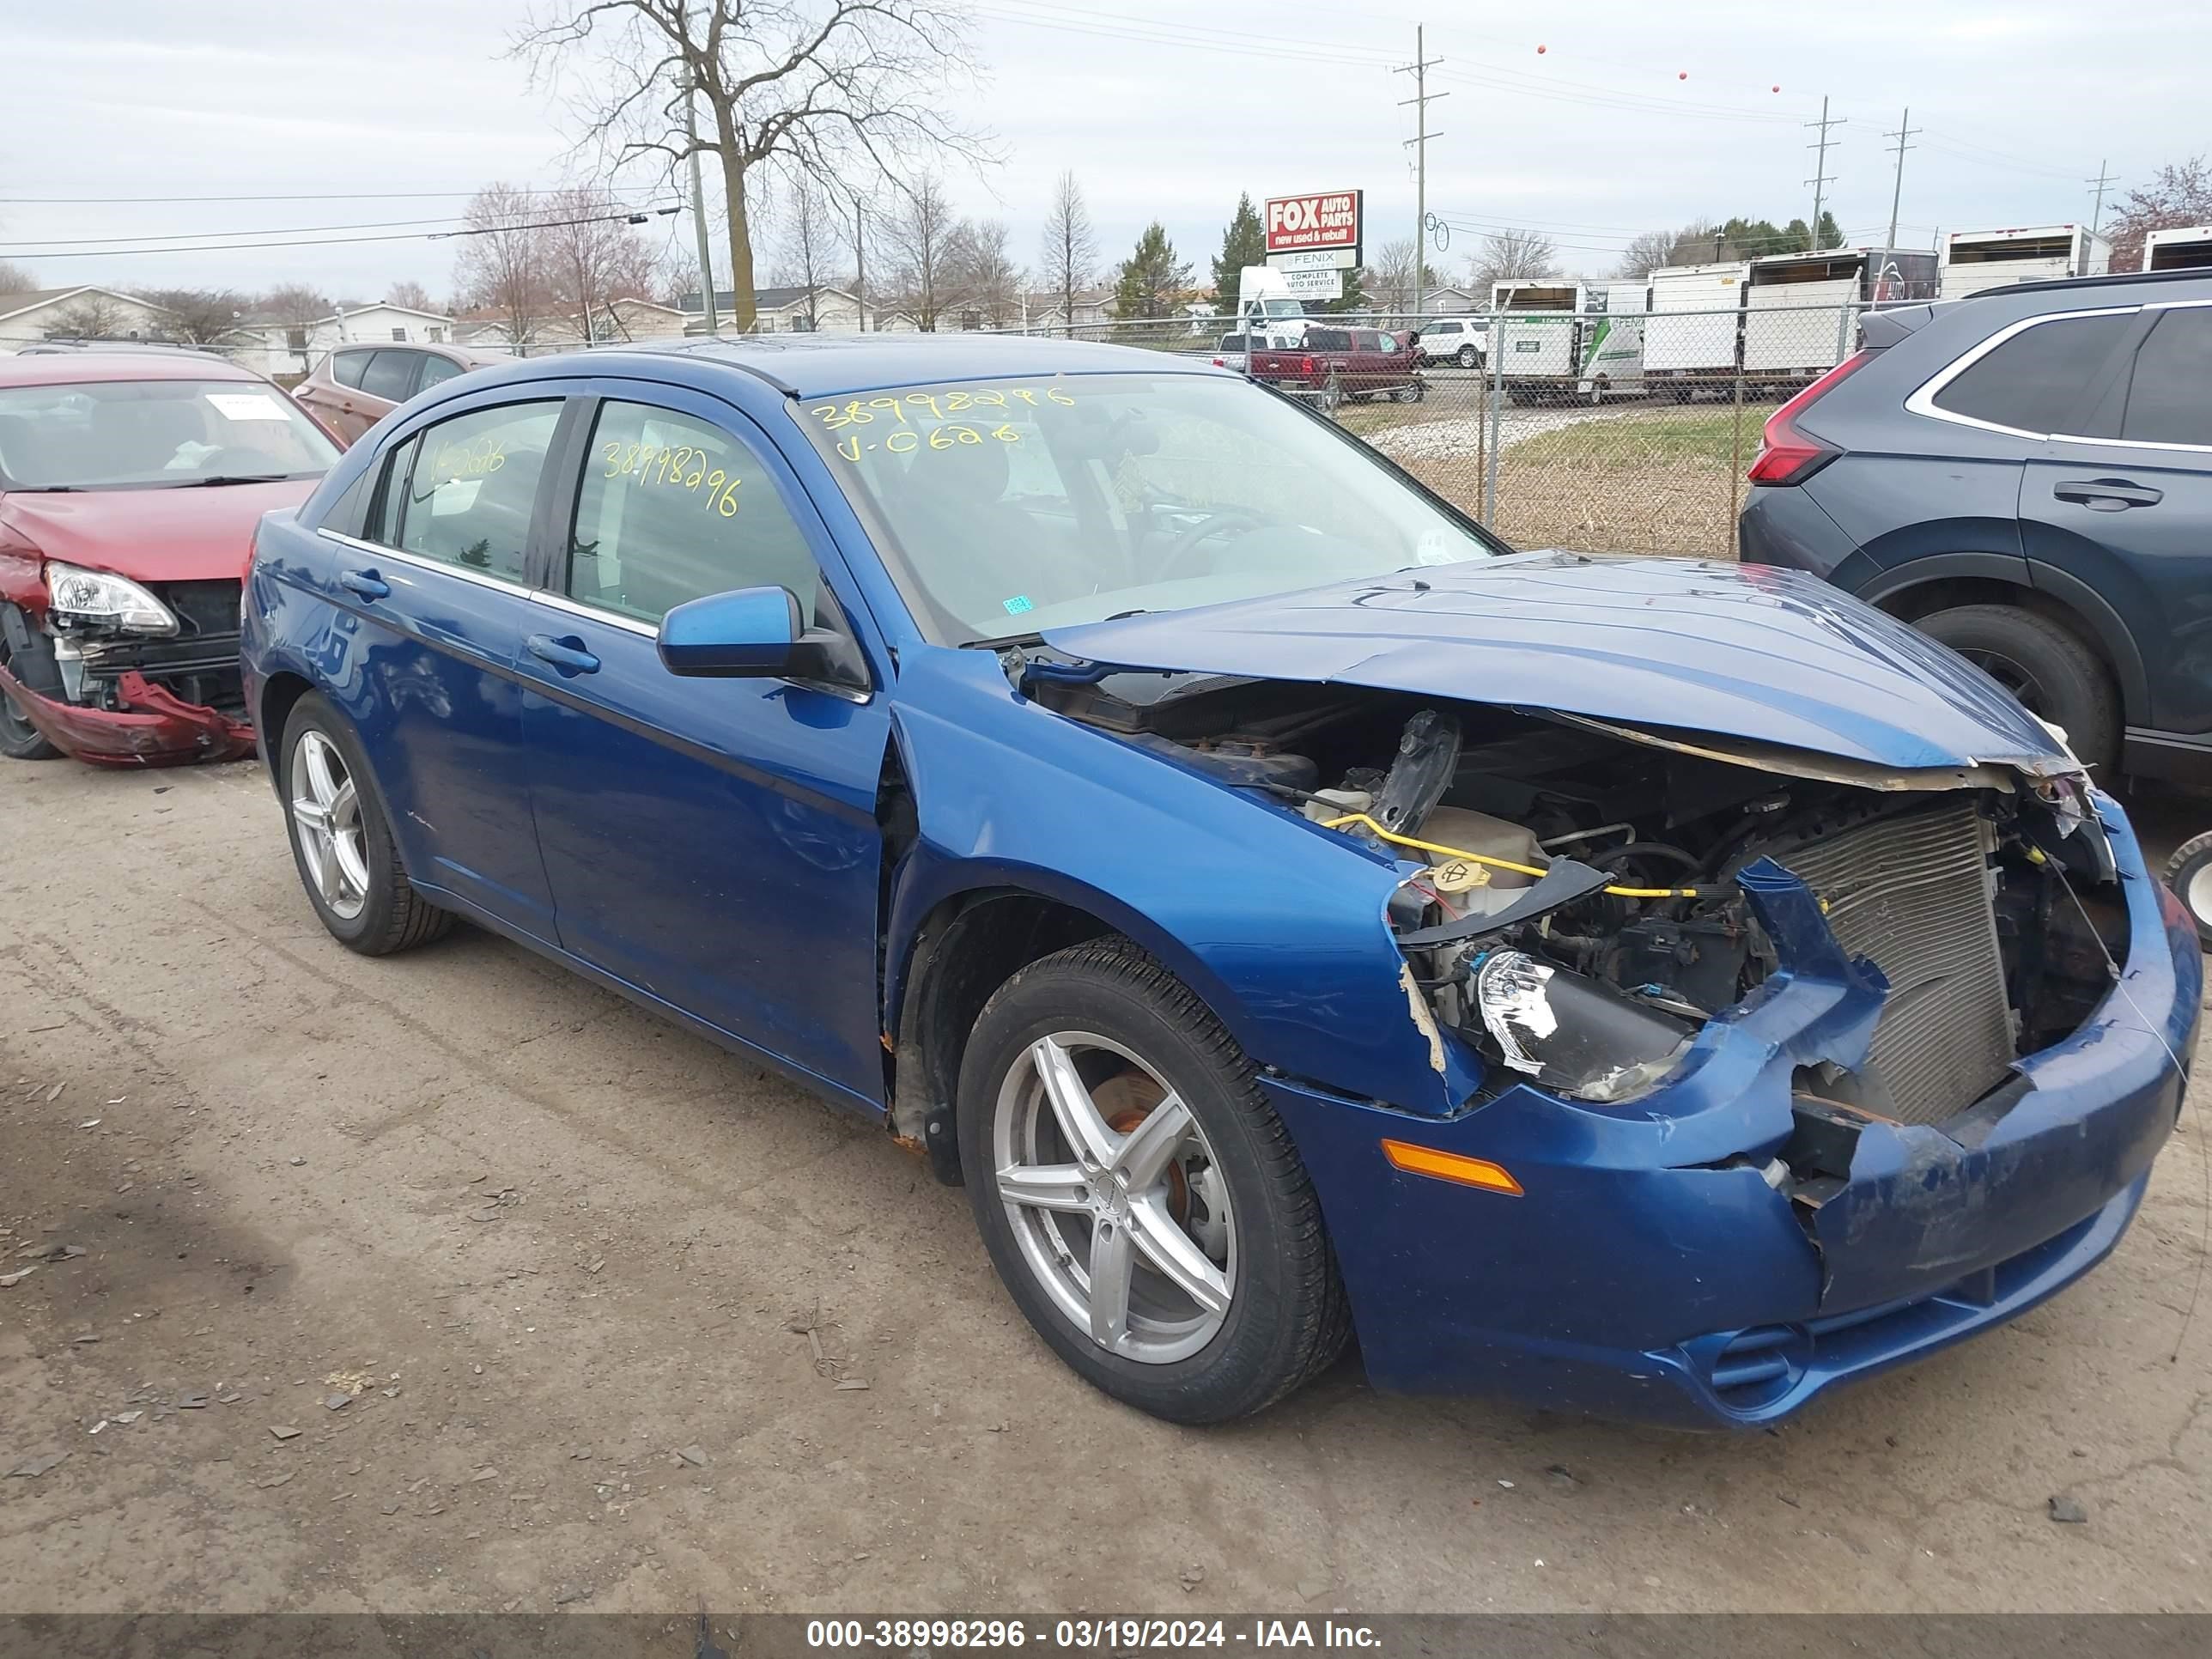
x=1461, y=340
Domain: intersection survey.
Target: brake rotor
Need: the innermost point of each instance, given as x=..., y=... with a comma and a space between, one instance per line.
x=1126, y=1099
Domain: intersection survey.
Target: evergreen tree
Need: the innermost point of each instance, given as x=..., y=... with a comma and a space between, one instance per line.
x=1151, y=281
x=1243, y=243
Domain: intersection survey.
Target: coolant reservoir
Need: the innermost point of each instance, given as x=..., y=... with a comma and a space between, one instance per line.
x=1477, y=832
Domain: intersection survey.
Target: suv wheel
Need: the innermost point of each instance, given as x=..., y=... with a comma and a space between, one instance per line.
x=1138, y=1196
x=2044, y=665
x=1468, y=357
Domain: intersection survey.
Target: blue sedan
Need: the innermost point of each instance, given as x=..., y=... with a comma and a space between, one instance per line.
x=1652, y=988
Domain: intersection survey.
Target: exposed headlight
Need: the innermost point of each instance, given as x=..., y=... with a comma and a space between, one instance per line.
x=97, y=596
x=1571, y=1034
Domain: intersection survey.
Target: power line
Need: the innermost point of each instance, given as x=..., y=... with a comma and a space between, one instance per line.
x=1821, y=179
x=2104, y=182
x=628, y=217
x=1422, y=98
x=304, y=196
x=1904, y=132
x=275, y=230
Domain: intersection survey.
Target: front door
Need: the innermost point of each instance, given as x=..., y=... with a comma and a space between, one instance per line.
x=711, y=842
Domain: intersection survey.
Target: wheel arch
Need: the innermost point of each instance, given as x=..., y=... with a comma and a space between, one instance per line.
x=1923, y=587
x=280, y=692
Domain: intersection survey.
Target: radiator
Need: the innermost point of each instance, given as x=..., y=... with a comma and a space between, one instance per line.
x=1912, y=893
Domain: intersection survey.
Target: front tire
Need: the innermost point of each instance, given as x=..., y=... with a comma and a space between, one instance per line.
x=1141, y=1200
x=19, y=738
x=341, y=844
x=2044, y=665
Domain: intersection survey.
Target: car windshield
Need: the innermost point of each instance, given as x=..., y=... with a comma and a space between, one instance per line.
x=1007, y=507
x=142, y=434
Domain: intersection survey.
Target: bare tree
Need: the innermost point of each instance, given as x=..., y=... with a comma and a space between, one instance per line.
x=593, y=256
x=410, y=294
x=829, y=88
x=200, y=316
x=91, y=316
x=1392, y=281
x=920, y=229
x=1511, y=255
x=297, y=308
x=14, y=279
x=812, y=239
x=1070, y=251
x=986, y=283
x=502, y=265
x=2179, y=193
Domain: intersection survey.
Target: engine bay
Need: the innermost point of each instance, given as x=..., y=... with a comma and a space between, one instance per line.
x=1573, y=898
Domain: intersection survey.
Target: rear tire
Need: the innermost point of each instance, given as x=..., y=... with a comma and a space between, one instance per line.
x=2043, y=664
x=2189, y=872
x=351, y=873
x=1231, y=1209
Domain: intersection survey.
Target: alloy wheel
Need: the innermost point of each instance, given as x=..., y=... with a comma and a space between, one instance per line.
x=1115, y=1199
x=326, y=813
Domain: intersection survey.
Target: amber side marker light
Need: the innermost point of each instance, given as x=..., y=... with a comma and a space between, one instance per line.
x=1449, y=1166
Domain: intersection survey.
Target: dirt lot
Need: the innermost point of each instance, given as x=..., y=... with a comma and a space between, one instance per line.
x=452, y=1283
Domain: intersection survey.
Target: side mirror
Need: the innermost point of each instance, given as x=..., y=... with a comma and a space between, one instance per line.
x=750, y=634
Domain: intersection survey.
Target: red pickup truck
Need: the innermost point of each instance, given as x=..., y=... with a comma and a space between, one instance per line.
x=1332, y=364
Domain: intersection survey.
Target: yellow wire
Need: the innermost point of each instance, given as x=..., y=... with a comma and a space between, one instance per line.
x=1496, y=864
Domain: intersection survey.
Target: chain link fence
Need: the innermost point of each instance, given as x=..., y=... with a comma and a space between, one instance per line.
x=1601, y=432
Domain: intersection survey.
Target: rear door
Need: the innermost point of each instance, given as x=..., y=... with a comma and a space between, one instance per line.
x=2126, y=505
x=336, y=399
x=387, y=382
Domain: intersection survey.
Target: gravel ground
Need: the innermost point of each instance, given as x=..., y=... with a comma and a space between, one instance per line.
x=451, y=1283
x=1453, y=439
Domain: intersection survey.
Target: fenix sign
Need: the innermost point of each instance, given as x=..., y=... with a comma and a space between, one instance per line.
x=1326, y=219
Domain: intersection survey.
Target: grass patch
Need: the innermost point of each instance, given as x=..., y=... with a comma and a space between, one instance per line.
x=1659, y=437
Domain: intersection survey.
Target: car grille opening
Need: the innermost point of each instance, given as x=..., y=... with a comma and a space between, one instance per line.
x=202, y=608
x=1912, y=894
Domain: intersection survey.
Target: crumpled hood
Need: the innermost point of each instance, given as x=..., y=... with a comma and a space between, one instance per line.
x=153, y=535
x=1772, y=656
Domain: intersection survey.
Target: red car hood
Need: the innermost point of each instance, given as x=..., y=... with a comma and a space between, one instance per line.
x=174, y=535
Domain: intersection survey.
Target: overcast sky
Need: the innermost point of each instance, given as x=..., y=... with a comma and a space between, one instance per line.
x=1156, y=109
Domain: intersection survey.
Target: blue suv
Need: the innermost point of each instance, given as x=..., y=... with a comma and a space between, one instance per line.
x=2027, y=475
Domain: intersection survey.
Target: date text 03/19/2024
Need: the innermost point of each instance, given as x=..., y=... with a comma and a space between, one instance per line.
x=1082, y=1635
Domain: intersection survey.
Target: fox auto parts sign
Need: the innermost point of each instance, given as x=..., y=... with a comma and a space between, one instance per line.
x=1327, y=219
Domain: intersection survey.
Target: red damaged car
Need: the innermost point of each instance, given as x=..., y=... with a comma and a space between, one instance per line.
x=130, y=487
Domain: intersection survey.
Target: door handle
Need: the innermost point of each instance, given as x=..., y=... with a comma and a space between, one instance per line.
x=2107, y=495
x=366, y=583
x=567, y=655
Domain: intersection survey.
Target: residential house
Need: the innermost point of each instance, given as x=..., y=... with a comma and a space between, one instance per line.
x=1449, y=301
x=84, y=311
x=275, y=345
x=619, y=322
x=1044, y=315
x=787, y=311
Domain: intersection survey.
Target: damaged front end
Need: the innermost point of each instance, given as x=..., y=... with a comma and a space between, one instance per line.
x=120, y=672
x=1801, y=1065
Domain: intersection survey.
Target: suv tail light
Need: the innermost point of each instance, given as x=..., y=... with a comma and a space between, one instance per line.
x=1787, y=455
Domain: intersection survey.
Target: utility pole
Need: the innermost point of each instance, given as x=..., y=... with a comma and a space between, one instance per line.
x=2104, y=182
x=1820, y=180
x=1905, y=131
x=860, y=261
x=698, y=192
x=1418, y=143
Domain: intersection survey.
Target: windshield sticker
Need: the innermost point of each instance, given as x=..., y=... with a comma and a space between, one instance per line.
x=246, y=406
x=1018, y=603
x=454, y=496
x=680, y=466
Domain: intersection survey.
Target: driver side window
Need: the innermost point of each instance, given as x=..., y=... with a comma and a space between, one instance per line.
x=674, y=508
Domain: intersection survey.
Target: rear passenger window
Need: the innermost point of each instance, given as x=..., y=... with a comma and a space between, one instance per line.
x=390, y=375
x=435, y=369
x=347, y=366
x=672, y=508
x=2171, y=401
x=465, y=487
x=2037, y=380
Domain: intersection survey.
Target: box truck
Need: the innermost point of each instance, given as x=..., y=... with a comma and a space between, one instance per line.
x=1612, y=344
x=1974, y=260
x=1537, y=349
x=2184, y=248
x=1696, y=325
x=1800, y=309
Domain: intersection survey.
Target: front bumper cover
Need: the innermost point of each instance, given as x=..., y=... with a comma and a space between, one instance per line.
x=156, y=728
x=1651, y=1268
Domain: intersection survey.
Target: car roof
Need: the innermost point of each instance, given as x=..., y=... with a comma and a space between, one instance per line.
x=77, y=367
x=824, y=365
x=2122, y=279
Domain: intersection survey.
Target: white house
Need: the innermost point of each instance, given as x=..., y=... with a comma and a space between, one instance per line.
x=785, y=311
x=86, y=311
x=272, y=345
